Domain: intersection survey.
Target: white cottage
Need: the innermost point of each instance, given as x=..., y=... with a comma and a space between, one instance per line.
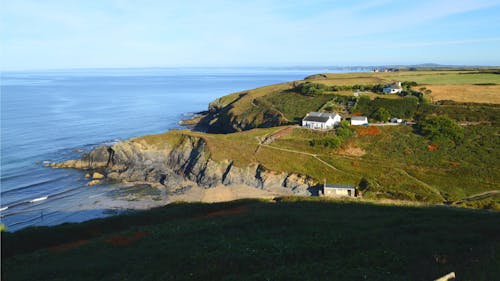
x=359, y=120
x=393, y=88
x=321, y=120
x=334, y=190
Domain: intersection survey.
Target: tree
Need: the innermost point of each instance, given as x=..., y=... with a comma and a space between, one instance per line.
x=441, y=128
x=344, y=130
x=381, y=114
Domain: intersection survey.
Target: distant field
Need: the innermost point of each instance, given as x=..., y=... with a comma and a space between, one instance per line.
x=460, y=86
x=465, y=93
x=369, y=94
x=421, y=77
x=361, y=79
x=454, y=78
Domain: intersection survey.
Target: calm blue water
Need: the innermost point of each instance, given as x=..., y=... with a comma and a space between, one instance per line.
x=51, y=115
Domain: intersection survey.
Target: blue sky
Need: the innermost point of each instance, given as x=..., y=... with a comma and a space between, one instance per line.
x=124, y=33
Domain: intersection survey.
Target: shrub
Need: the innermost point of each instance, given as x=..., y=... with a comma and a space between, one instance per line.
x=402, y=108
x=408, y=84
x=331, y=142
x=344, y=130
x=441, y=128
x=381, y=114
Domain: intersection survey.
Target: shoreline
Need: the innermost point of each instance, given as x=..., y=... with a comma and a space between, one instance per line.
x=195, y=123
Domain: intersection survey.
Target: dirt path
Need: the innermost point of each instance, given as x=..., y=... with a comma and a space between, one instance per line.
x=309, y=154
x=478, y=196
x=431, y=188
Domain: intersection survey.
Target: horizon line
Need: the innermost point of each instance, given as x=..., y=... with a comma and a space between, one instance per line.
x=290, y=66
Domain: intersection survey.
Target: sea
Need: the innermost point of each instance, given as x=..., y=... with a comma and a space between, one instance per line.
x=56, y=115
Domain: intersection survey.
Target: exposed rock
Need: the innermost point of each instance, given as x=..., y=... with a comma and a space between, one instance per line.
x=97, y=176
x=187, y=162
x=93, y=182
x=87, y=175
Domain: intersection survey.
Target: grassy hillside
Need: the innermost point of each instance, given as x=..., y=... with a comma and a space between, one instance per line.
x=291, y=239
x=287, y=103
x=397, y=162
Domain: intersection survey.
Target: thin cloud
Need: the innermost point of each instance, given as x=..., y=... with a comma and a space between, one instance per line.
x=447, y=42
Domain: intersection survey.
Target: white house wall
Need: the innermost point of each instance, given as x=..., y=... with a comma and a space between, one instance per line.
x=358, y=123
x=338, y=192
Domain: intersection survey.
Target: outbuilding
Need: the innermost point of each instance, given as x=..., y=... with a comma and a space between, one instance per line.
x=359, y=120
x=335, y=190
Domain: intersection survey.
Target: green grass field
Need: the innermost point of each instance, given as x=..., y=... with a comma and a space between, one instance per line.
x=292, y=239
x=284, y=104
x=396, y=159
x=422, y=77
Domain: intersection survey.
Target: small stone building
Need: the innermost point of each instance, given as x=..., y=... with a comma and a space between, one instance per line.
x=337, y=190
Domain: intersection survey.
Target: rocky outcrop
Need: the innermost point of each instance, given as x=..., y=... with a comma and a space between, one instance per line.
x=183, y=164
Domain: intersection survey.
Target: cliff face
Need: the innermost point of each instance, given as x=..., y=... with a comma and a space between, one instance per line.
x=221, y=118
x=185, y=163
x=244, y=111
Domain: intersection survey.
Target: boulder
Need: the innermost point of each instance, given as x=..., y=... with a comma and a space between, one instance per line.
x=97, y=176
x=93, y=182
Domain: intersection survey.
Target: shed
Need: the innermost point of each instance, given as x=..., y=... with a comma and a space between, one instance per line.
x=335, y=190
x=359, y=120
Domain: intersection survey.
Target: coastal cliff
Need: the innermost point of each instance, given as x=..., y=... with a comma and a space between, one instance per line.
x=182, y=162
x=244, y=111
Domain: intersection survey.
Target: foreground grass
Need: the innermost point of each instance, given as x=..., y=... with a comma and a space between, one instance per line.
x=293, y=239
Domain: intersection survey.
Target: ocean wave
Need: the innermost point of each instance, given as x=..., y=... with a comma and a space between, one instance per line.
x=39, y=199
x=32, y=185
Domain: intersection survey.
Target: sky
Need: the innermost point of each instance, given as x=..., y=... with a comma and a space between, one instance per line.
x=54, y=34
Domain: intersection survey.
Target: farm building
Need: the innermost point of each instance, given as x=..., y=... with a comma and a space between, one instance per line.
x=339, y=190
x=359, y=120
x=320, y=120
x=393, y=88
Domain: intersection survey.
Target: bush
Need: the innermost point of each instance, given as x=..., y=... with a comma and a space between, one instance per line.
x=408, y=84
x=441, y=128
x=344, y=130
x=402, y=108
x=331, y=142
x=310, y=88
x=381, y=115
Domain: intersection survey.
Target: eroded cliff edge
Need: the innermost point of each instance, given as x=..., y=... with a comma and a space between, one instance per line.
x=182, y=162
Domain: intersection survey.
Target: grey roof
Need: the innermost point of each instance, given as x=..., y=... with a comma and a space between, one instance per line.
x=316, y=119
x=319, y=116
x=359, y=118
x=394, y=86
x=340, y=186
